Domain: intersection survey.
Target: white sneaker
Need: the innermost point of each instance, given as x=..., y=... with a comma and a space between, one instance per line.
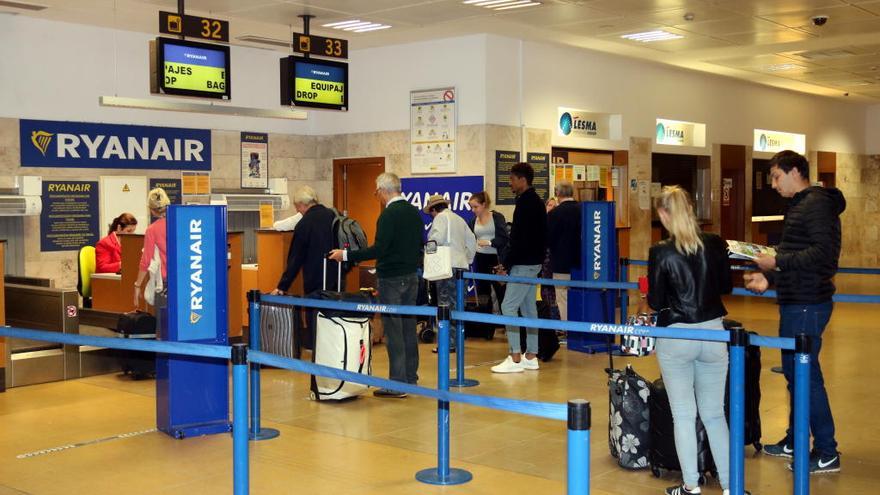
x=508, y=366
x=529, y=364
x=727, y=492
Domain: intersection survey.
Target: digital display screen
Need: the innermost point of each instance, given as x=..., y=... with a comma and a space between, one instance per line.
x=314, y=83
x=193, y=69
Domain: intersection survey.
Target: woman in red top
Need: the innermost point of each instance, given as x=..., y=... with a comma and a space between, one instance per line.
x=154, y=239
x=108, y=251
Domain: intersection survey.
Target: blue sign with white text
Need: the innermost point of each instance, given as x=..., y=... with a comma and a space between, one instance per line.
x=69, y=219
x=457, y=190
x=49, y=143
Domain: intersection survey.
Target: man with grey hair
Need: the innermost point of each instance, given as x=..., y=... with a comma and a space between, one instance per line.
x=397, y=251
x=564, y=239
x=312, y=240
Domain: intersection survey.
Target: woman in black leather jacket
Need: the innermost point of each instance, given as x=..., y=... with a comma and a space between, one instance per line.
x=687, y=274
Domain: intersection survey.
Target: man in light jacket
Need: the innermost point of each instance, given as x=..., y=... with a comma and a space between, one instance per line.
x=449, y=229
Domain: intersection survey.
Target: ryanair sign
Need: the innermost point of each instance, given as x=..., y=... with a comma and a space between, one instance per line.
x=48, y=143
x=197, y=273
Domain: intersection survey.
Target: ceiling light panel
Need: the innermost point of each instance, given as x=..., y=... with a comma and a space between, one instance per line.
x=502, y=5
x=356, y=26
x=652, y=36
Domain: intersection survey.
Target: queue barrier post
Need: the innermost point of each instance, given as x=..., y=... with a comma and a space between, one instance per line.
x=443, y=474
x=739, y=339
x=579, y=418
x=256, y=431
x=460, y=380
x=624, y=294
x=802, y=354
x=240, y=461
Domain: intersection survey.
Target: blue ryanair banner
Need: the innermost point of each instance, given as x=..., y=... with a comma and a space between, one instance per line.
x=197, y=281
x=49, y=143
x=457, y=190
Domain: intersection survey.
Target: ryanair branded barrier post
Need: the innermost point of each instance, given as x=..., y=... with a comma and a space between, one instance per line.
x=598, y=264
x=192, y=394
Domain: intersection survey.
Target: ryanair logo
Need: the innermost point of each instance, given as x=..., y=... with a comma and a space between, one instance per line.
x=41, y=140
x=196, y=284
x=194, y=317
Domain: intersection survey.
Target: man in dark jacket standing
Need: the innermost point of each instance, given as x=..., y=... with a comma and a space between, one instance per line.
x=564, y=238
x=524, y=257
x=397, y=251
x=806, y=260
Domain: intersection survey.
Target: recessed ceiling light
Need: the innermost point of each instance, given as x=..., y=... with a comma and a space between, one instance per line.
x=356, y=26
x=782, y=67
x=651, y=36
x=502, y=4
x=22, y=5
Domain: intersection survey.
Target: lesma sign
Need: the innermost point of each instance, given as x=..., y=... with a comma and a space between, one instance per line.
x=680, y=133
x=776, y=141
x=582, y=124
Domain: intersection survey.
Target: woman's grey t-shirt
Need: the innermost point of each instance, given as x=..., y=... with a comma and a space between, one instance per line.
x=485, y=232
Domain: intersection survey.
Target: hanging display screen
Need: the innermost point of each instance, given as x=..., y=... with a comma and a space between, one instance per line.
x=188, y=68
x=314, y=83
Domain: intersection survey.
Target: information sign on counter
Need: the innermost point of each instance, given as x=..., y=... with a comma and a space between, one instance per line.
x=69, y=219
x=776, y=141
x=504, y=160
x=432, y=131
x=540, y=162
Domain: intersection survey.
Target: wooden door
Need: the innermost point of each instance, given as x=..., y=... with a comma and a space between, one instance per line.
x=733, y=192
x=354, y=192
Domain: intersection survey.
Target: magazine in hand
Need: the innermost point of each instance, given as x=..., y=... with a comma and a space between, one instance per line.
x=740, y=250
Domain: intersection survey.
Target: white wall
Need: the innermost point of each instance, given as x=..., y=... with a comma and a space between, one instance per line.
x=557, y=76
x=56, y=71
x=873, y=131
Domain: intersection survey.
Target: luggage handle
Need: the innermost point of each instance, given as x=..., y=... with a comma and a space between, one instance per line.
x=338, y=275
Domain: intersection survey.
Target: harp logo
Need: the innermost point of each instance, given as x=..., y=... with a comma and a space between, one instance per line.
x=41, y=140
x=194, y=317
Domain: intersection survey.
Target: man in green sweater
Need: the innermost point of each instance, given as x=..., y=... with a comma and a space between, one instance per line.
x=397, y=251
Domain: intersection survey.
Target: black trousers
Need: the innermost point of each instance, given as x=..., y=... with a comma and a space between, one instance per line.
x=484, y=263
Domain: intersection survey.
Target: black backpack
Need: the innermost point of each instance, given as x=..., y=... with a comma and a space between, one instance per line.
x=347, y=234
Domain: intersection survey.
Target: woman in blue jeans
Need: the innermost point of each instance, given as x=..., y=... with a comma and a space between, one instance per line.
x=687, y=274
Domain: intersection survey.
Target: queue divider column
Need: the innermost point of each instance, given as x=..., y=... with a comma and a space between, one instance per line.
x=801, y=465
x=443, y=474
x=240, y=454
x=257, y=432
x=460, y=291
x=578, y=476
x=739, y=339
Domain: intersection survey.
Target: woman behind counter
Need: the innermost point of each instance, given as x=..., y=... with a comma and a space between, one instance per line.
x=108, y=251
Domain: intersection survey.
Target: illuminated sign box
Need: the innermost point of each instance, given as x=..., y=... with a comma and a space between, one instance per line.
x=576, y=123
x=314, y=83
x=776, y=141
x=680, y=133
x=187, y=68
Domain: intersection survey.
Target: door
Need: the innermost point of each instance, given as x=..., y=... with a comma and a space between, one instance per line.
x=733, y=197
x=354, y=192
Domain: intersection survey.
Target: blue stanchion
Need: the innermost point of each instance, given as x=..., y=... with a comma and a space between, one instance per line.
x=801, y=465
x=349, y=306
x=578, y=284
x=739, y=339
x=624, y=293
x=240, y=461
x=579, y=419
x=460, y=380
x=443, y=474
x=257, y=432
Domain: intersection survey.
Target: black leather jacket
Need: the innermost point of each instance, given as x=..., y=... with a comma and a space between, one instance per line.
x=688, y=289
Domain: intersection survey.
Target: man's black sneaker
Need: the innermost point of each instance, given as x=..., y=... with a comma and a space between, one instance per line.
x=781, y=449
x=388, y=394
x=820, y=464
x=681, y=490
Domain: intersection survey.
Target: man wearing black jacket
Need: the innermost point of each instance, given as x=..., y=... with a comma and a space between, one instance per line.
x=524, y=257
x=806, y=260
x=564, y=238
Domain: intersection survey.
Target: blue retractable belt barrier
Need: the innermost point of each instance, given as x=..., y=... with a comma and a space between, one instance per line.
x=240, y=461
x=257, y=432
x=350, y=306
x=579, y=419
x=578, y=284
x=460, y=380
x=739, y=339
x=803, y=344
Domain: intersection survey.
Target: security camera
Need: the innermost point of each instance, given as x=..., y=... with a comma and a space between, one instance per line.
x=819, y=20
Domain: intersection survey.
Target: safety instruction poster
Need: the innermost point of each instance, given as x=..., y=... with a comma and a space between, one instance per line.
x=504, y=160
x=540, y=163
x=69, y=219
x=432, y=131
x=254, y=160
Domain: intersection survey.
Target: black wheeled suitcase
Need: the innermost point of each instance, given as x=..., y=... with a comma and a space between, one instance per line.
x=629, y=418
x=548, y=340
x=752, y=393
x=662, y=453
x=137, y=325
x=474, y=329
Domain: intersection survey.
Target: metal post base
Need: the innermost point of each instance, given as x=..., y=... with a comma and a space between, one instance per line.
x=263, y=434
x=464, y=382
x=456, y=476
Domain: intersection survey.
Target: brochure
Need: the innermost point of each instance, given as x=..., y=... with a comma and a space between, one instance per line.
x=740, y=250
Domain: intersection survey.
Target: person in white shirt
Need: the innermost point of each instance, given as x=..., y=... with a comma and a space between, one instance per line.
x=449, y=229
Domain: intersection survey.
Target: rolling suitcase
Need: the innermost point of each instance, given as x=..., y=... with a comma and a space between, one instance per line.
x=548, y=340
x=137, y=325
x=474, y=329
x=628, y=418
x=662, y=453
x=342, y=340
x=752, y=393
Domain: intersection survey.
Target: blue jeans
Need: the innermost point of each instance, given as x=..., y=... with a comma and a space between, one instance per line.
x=521, y=298
x=694, y=373
x=811, y=320
x=400, y=331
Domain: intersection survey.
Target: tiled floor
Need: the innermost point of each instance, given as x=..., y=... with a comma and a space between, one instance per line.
x=375, y=446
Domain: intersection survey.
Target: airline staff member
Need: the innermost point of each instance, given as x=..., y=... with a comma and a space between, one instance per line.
x=108, y=251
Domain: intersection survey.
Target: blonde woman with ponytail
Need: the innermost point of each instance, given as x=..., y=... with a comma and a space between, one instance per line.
x=687, y=274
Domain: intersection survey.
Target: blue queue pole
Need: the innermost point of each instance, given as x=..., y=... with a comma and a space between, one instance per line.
x=256, y=431
x=802, y=348
x=578, y=447
x=460, y=380
x=240, y=462
x=624, y=293
x=443, y=474
x=739, y=339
